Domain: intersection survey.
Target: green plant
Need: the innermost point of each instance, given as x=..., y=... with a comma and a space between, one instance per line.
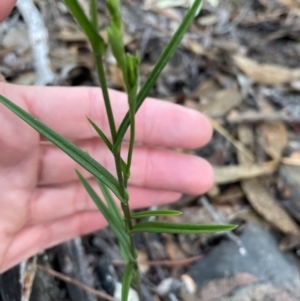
x=120, y=220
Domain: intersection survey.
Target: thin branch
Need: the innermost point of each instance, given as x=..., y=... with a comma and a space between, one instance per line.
x=237, y=144
x=83, y=273
x=253, y=117
x=219, y=220
x=27, y=276
x=75, y=282
x=290, y=161
x=177, y=262
x=38, y=36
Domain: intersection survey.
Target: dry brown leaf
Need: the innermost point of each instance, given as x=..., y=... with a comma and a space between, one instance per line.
x=205, y=89
x=214, y=191
x=67, y=35
x=236, y=143
x=294, y=159
x=258, y=195
x=222, y=102
x=193, y=46
x=233, y=173
x=294, y=5
x=233, y=194
x=25, y=79
x=266, y=73
x=173, y=251
x=266, y=206
x=115, y=76
x=208, y=20
x=274, y=135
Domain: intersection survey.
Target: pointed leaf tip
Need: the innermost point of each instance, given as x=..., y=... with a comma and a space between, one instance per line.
x=178, y=228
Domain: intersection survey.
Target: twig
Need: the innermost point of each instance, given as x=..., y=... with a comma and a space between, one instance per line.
x=240, y=146
x=82, y=265
x=178, y=262
x=290, y=161
x=218, y=219
x=38, y=36
x=27, y=275
x=253, y=117
x=77, y=283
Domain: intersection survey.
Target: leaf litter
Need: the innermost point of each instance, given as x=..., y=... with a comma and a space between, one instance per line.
x=239, y=65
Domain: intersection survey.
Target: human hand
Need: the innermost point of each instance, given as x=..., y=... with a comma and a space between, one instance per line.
x=41, y=201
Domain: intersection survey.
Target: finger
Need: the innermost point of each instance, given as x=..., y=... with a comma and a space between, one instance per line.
x=151, y=168
x=65, y=109
x=5, y=8
x=32, y=240
x=60, y=201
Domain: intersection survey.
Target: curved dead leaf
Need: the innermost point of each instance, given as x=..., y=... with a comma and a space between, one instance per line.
x=266, y=73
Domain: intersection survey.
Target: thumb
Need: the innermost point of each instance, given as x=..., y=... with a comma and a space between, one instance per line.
x=5, y=8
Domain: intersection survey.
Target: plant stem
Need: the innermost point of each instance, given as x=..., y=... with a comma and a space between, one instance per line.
x=117, y=155
x=164, y=58
x=121, y=180
x=102, y=79
x=132, y=104
x=137, y=280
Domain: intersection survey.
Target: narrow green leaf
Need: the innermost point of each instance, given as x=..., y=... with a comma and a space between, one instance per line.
x=78, y=155
x=162, y=62
x=112, y=221
x=94, y=14
x=149, y=213
x=112, y=206
x=125, y=169
x=100, y=133
x=177, y=228
x=79, y=15
x=126, y=281
x=109, y=145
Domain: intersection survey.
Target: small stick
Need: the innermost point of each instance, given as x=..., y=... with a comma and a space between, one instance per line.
x=237, y=144
x=27, y=276
x=75, y=282
x=253, y=117
x=177, y=262
x=290, y=161
x=217, y=218
x=83, y=275
x=38, y=36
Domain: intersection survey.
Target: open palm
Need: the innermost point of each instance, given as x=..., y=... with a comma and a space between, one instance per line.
x=41, y=201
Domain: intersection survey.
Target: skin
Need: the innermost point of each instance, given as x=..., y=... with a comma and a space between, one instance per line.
x=42, y=203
